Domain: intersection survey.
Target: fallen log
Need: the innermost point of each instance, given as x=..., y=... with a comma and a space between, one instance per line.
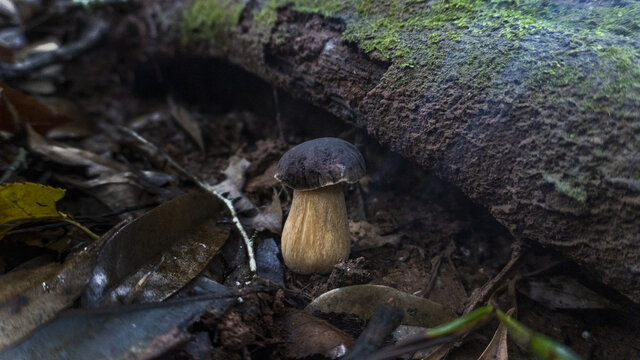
x=532, y=108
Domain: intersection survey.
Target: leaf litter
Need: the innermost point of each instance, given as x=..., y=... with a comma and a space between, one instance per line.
x=402, y=223
x=157, y=254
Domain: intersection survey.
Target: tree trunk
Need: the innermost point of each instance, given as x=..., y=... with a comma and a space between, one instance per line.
x=532, y=108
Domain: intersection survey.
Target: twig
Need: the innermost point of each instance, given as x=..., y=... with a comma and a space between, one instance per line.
x=203, y=185
x=66, y=52
x=15, y=165
x=85, y=229
x=435, y=269
x=481, y=294
x=446, y=333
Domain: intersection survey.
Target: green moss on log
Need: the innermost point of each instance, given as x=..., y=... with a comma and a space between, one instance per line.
x=476, y=41
x=567, y=189
x=208, y=20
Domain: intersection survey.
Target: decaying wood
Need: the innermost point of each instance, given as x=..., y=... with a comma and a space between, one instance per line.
x=529, y=112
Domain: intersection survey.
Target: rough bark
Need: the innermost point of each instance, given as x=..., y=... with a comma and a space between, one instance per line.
x=532, y=108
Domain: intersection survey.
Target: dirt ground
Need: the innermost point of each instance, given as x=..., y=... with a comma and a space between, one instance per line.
x=412, y=231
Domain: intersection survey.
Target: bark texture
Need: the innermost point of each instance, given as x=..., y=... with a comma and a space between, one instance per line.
x=531, y=107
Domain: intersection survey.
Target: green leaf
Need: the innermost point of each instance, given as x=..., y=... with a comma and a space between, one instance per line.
x=22, y=202
x=540, y=345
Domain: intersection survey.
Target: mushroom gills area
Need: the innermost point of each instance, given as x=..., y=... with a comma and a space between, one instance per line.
x=316, y=234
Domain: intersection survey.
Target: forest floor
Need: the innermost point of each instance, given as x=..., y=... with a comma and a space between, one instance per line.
x=411, y=231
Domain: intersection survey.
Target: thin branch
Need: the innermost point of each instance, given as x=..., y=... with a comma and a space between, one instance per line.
x=204, y=186
x=481, y=294
x=66, y=52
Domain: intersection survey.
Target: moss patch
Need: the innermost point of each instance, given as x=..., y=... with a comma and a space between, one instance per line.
x=207, y=20
x=592, y=54
x=567, y=189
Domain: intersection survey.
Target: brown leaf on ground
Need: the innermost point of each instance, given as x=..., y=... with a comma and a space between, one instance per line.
x=40, y=117
x=264, y=181
x=31, y=297
x=187, y=123
x=308, y=336
x=72, y=156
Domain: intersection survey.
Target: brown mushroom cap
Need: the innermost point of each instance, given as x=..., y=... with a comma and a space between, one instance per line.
x=320, y=162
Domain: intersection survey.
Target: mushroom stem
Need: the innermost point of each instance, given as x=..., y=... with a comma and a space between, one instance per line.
x=316, y=234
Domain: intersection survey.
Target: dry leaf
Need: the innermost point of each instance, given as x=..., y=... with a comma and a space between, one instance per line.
x=40, y=117
x=187, y=123
x=498, y=348
x=68, y=155
x=233, y=184
x=269, y=218
x=308, y=336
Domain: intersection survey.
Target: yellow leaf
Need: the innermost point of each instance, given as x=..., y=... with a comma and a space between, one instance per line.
x=20, y=202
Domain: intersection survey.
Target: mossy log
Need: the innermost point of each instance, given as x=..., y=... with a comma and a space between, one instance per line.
x=531, y=107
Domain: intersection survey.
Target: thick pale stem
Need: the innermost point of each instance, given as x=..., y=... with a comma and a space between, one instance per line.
x=316, y=234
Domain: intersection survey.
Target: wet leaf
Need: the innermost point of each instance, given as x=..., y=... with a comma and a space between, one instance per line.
x=71, y=156
x=123, y=332
x=563, y=292
x=160, y=252
x=20, y=202
x=498, y=348
x=40, y=117
x=30, y=297
x=362, y=300
x=308, y=336
x=187, y=123
x=268, y=263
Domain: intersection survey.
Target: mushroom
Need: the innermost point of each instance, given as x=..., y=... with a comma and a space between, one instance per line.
x=316, y=234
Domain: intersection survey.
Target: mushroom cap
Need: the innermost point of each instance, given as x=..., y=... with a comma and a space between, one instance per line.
x=320, y=162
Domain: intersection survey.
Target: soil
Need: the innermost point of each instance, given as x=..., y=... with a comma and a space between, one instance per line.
x=422, y=221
